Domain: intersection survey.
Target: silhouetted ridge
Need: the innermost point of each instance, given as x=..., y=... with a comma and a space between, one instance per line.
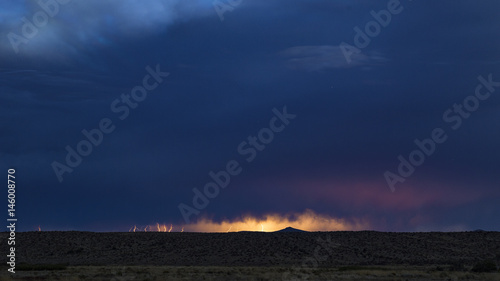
x=290, y=229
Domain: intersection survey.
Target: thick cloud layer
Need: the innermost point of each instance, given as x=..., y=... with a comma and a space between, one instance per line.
x=70, y=25
x=353, y=118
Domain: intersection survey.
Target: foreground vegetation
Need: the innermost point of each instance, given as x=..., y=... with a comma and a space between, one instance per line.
x=125, y=273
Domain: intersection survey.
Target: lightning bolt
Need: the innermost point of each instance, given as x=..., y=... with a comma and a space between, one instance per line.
x=182, y=229
x=262, y=227
x=39, y=228
x=170, y=228
x=164, y=228
x=158, y=227
x=146, y=228
x=229, y=229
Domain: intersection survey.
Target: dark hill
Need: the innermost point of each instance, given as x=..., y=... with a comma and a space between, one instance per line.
x=290, y=229
x=255, y=248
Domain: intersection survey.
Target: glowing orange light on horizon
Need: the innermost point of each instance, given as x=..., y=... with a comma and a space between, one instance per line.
x=308, y=221
x=39, y=228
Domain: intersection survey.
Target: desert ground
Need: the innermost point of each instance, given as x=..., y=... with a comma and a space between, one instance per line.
x=363, y=255
x=217, y=273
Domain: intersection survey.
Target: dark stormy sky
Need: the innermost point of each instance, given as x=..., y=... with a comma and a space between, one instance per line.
x=226, y=75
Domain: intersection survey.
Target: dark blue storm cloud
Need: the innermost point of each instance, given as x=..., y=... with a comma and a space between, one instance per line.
x=353, y=118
